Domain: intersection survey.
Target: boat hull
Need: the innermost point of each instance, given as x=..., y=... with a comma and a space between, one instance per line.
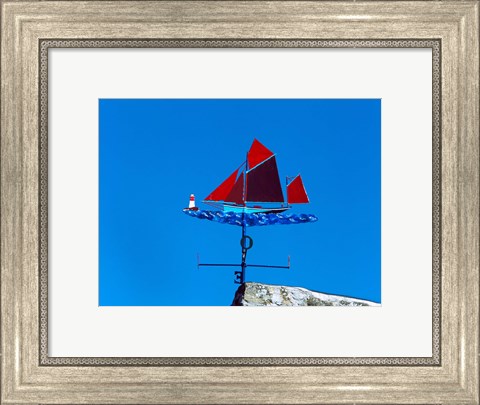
x=253, y=210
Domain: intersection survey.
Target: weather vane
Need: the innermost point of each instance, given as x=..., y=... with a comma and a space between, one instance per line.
x=252, y=196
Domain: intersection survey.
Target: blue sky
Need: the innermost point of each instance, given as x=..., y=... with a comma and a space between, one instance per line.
x=155, y=153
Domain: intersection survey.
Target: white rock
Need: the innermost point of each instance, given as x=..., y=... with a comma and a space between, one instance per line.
x=265, y=295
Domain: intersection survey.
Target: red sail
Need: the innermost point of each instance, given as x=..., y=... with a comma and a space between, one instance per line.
x=257, y=154
x=236, y=194
x=263, y=183
x=221, y=192
x=296, y=193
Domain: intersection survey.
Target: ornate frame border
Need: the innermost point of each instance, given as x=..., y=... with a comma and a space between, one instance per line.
x=46, y=44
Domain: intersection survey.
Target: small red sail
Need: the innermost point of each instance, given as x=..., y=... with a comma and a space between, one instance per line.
x=257, y=154
x=296, y=193
x=236, y=194
x=223, y=190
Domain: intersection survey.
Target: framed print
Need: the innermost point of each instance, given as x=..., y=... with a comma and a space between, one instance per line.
x=343, y=133
x=165, y=164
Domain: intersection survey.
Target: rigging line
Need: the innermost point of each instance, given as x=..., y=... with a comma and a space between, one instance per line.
x=290, y=178
x=261, y=163
x=241, y=164
x=245, y=182
x=213, y=204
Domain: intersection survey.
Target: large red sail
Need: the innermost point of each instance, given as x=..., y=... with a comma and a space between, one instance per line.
x=296, y=193
x=222, y=191
x=236, y=194
x=263, y=183
x=257, y=154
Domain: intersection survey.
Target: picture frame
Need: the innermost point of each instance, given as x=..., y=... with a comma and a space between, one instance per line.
x=29, y=375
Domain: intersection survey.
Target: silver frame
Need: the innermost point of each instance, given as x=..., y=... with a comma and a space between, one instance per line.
x=434, y=360
x=28, y=375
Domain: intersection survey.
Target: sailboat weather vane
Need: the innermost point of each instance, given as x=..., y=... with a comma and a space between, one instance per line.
x=252, y=196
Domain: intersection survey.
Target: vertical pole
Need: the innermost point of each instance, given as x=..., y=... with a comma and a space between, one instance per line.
x=245, y=183
x=286, y=189
x=244, y=250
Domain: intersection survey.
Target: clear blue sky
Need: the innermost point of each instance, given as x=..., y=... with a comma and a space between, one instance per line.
x=155, y=153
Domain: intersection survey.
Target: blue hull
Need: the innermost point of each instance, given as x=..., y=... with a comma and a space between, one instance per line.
x=252, y=210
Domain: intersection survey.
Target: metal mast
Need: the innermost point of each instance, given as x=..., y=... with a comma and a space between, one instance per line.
x=246, y=243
